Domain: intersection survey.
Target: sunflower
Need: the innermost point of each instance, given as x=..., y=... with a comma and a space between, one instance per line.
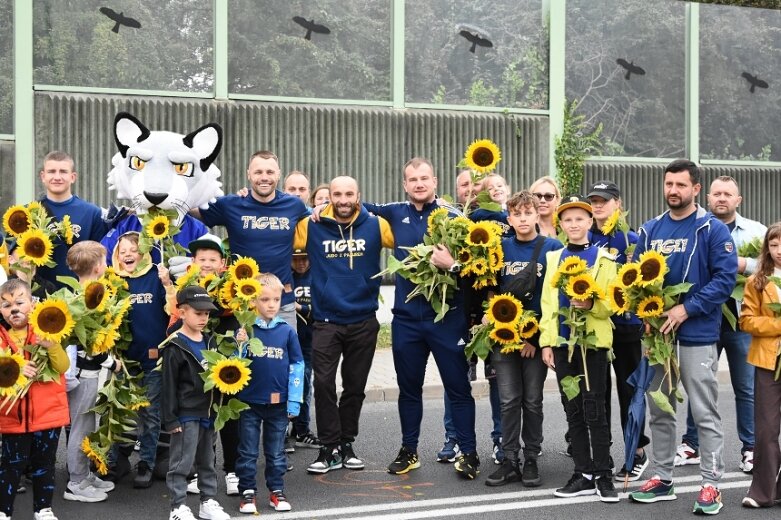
x=479, y=266
x=610, y=224
x=495, y=258
x=17, y=220
x=505, y=335
x=248, y=289
x=11, y=376
x=35, y=246
x=230, y=376
x=158, y=228
x=480, y=234
x=139, y=404
x=228, y=294
x=581, y=287
x=650, y=307
x=104, y=341
x=628, y=275
x=504, y=309
x=244, y=267
x=464, y=256
x=190, y=277
x=619, y=303
x=484, y=281
x=95, y=454
x=52, y=320
x=572, y=265
x=528, y=328
x=122, y=310
x=435, y=217
x=482, y=156
x=652, y=267
x=206, y=281
x=96, y=294
x=67, y=229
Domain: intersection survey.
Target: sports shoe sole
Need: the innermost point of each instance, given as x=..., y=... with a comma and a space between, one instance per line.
x=81, y=498
x=409, y=468
x=353, y=465
x=248, y=510
x=581, y=493
x=531, y=482
x=635, y=474
x=508, y=480
x=281, y=507
x=658, y=498
x=699, y=510
x=319, y=471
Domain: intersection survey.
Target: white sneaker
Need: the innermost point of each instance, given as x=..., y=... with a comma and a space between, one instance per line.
x=192, y=486
x=83, y=492
x=45, y=514
x=99, y=483
x=181, y=513
x=212, y=510
x=747, y=463
x=247, y=503
x=3, y=516
x=685, y=455
x=231, y=484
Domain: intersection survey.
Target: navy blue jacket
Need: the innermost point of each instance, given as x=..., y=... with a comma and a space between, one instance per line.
x=616, y=245
x=343, y=259
x=711, y=265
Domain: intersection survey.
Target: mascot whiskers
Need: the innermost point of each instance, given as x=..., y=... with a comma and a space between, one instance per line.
x=165, y=170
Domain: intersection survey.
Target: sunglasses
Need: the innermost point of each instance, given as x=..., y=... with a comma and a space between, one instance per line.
x=547, y=196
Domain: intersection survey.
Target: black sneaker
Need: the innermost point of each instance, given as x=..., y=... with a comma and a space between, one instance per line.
x=405, y=461
x=143, y=478
x=507, y=472
x=638, y=467
x=466, y=465
x=530, y=477
x=308, y=440
x=327, y=459
x=349, y=459
x=606, y=491
x=577, y=486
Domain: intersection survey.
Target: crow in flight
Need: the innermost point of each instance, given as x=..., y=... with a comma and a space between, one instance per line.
x=311, y=27
x=754, y=82
x=631, y=68
x=476, y=40
x=120, y=19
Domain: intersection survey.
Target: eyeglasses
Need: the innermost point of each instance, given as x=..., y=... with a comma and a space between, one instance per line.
x=547, y=196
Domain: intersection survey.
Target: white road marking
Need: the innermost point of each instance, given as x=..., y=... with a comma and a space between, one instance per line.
x=500, y=502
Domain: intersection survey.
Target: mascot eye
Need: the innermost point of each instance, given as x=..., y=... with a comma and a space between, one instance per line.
x=184, y=169
x=137, y=163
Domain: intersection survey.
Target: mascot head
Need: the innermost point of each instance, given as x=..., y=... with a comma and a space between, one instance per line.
x=164, y=169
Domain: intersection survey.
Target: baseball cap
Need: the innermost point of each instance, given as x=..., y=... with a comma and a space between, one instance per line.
x=573, y=201
x=605, y=189
x=196, y=297
x=207, y=241
x=299, y=252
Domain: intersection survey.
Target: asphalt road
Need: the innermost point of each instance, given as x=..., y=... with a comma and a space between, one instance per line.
x=434, y=490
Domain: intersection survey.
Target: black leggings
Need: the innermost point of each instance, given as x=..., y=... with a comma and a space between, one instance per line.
x=39, y=450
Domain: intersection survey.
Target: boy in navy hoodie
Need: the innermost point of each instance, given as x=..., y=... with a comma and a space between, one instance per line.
x=274, y=394
x=148, y=320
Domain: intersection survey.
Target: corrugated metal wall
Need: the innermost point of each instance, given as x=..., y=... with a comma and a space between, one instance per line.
x=325, y=141
x=7, y=168
x=641, y=186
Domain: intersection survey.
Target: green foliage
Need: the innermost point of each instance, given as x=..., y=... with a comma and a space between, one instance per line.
x=573, y=146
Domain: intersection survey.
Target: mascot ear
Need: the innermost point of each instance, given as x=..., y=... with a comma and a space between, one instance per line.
x=128, y=131
x=206, y=143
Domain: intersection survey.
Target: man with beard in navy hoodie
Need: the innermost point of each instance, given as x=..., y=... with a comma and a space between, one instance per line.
x=344, y=248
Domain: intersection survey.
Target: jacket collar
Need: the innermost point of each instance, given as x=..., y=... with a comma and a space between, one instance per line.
x=263, y=324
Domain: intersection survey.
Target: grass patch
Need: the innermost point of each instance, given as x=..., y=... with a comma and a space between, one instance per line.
x=384, y=336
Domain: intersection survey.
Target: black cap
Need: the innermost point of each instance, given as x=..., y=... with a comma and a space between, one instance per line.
x=299, y=252
x=573, y=201
x=605, y=189
x=196, y=297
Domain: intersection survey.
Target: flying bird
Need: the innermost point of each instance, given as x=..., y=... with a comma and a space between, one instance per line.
x=754, y=82
x=311, y=27
x=476, y=40
x=120, y=19
x=630, y=67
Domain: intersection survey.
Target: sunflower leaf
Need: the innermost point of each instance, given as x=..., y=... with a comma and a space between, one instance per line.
x=212, y=356
x=570, y=385
x=662, y=401
x=70, y=282
x=256, y=347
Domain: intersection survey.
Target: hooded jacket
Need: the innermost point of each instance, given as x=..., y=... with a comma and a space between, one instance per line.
x=710, y=264
x=760, y=321
x=343, y=259
x=182, y=394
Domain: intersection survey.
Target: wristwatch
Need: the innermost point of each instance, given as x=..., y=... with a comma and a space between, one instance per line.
x=455, y=268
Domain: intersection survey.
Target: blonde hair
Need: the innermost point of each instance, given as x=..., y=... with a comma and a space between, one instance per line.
x=84, y=256
x=547, y=179
x=271, y=281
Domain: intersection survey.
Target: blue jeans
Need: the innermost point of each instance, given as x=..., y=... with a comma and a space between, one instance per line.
x=741, y=374
x=149, y=417
x=496, y=414
x=273, y=419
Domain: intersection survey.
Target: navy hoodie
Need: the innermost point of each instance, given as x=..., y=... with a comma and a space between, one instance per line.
x=709, y=262
x=343, y=259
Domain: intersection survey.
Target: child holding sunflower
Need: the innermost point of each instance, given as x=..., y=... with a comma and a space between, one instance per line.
x=274, y=395
x=186, y=410
x=588, y=427
x=30, y=433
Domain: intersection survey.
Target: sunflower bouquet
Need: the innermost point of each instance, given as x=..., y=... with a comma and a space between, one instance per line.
x=508, y=325
x=229, y=375
x=36, y=232
x=639, y=289
x=158, y=228
x=574, y=278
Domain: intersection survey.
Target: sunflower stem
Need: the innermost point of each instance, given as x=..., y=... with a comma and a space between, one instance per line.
x=583, y=350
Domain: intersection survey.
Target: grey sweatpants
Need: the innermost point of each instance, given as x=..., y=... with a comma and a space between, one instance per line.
x=193, y=445
x=80, y=401
x=699, y=365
